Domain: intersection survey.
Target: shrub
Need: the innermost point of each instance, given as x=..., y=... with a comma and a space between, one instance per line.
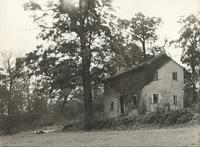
x=109, y=123
x=178, y=117
x=24, y=121
x=11, y=124
x=157, y=118
x=142, y=109
x=168, y=118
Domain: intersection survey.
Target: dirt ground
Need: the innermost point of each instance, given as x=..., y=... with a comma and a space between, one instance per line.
x=161, y=137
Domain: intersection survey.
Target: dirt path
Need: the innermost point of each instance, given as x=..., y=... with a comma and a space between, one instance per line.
x=162, y=137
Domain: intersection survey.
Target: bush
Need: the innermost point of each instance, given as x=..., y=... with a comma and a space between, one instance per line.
x=156, y=118
x=178, y=117
x=25, y=121
x=112, y=123
x=168, y=118
x=11, y=124
x=142, y=109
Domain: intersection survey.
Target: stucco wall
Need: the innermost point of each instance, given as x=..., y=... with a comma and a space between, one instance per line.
x=116, y=106
x=165, y=87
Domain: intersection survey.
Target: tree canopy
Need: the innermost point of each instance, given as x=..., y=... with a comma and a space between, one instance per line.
x=189, y=41
x=143, y=29
x=78, y=32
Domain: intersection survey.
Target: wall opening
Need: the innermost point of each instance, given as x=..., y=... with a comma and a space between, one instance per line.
x=174, y=76
x=134, y=101
x=155, y=99
x=175, y=98
x=122, y=104
x=111, y=106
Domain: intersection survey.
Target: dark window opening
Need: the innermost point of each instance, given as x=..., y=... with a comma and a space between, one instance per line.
x=122, y=104
x=111, y=106
x=175, y=100
x=134, y=100
x=174, y=76
x=155, y=98
x=155, y=76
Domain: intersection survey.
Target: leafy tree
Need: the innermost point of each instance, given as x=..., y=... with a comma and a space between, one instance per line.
x=12, y=91
x=78, y=28
x=55, y=76
x=189, y=41
x=23, y=77
x=125, y=52
x=3, y=96
x=9, y=72
x=15, y=84
x=143, y=30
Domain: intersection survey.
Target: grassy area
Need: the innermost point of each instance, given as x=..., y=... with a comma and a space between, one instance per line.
x=159, y=137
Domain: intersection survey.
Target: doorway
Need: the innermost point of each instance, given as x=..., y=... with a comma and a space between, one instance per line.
x=122, y=104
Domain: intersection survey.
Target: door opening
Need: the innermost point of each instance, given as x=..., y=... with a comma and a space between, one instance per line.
x=122, y=104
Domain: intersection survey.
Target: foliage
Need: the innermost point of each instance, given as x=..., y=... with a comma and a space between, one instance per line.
x=143, y=30
x=142, y=109
x=188, y=84
x=52, y=70
x=13, y=123
x=3, y=99
x=79, y=30
x=12, y=86
x=18, y=99
x=170, y=118
x=189, y=41
x=72, y=110
x=126, y=53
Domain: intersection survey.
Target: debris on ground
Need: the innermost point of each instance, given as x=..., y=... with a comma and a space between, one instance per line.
x=39, y=132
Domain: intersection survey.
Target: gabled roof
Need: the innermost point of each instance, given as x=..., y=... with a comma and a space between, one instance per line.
x=156, y=63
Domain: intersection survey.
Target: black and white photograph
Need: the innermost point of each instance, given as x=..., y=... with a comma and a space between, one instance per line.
x=99, y=73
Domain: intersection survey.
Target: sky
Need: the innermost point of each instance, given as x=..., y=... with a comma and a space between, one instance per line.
x=18, y=32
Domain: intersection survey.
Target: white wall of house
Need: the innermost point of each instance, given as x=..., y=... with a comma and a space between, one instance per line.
x=166, y=88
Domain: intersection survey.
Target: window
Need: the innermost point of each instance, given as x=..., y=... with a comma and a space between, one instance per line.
x=174, y=76
x=111, y=106
x=155, y=98
x=155, y=76
x=175, y=100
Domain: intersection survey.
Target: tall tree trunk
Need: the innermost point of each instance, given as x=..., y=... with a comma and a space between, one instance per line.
x=193, y=83
x=10, y=105
x=28, y=95
x=199, y=83
x=144, y=50
x=64, y=103
x=10, y=101
x=86, y=81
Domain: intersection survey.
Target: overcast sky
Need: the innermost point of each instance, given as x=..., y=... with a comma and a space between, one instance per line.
x=17, y=32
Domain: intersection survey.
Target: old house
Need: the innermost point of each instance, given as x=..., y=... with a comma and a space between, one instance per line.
x=152, y=85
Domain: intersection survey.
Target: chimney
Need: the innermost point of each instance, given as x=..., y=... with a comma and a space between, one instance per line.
x=163, y=51
x=121, y=69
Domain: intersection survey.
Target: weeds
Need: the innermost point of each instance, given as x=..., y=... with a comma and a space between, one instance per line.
x=155, y=118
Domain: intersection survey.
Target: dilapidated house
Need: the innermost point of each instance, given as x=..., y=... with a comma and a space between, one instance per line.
x=152, y=85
